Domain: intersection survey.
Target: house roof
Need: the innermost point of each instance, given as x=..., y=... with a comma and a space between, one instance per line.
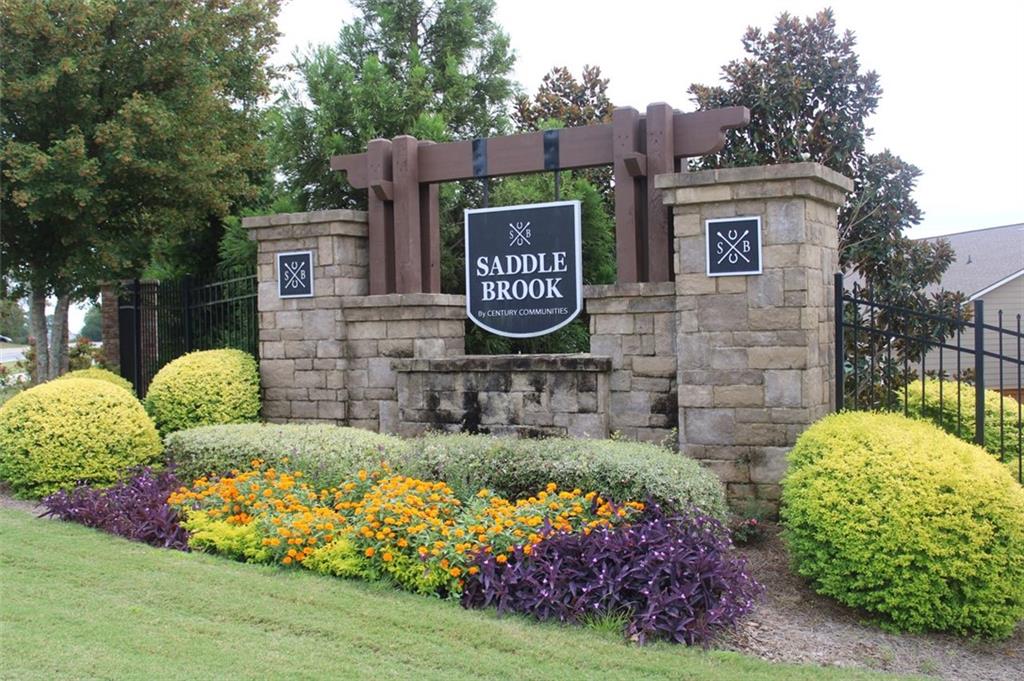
x=985, y=259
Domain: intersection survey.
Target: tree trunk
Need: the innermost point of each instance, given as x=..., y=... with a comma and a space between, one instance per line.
x=59, y=339
x=37, y=312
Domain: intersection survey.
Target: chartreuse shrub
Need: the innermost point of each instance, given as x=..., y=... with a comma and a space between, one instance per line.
x=895, y=516
x=135, y=508
x=100, y=374
x=205, y=388
x=238, y=541
x=327, y=455
x=60, y=433
x=958, y=418
x=515, y=468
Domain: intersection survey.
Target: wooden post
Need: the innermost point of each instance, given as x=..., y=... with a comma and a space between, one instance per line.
x=660, y=160
x=628, y=167
x=430, y=235
x=408, y=251
x=381, y=215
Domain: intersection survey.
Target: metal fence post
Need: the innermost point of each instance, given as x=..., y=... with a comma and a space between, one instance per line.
x=137, y=341
x=186, y=311
x=840, y=345
x=979, y=372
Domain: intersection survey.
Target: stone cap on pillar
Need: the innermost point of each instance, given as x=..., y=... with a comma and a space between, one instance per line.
x=810, y=180
x=342, y=222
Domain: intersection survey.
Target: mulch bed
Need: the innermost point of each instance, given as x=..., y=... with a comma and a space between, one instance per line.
x=794, y=624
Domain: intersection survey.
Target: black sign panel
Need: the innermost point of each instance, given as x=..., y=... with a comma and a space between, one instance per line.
x=295, y=274
x=733, y=246
x=523, y=268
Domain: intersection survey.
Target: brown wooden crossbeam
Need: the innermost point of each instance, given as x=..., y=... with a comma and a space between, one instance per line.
x=402, y=177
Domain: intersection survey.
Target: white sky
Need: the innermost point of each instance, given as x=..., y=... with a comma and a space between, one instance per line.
x=953, y=77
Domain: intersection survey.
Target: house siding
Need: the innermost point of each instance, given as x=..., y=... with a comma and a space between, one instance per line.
x=1010, y=299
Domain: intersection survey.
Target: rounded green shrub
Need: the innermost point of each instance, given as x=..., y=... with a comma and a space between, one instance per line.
x=894, y=516
x=515, y=468
x=59, y=433
x=327, y=455
x=100, y=375
x=938, y=403
x=205, y=388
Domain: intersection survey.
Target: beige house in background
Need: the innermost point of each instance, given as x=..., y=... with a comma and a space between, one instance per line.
x=989, y=266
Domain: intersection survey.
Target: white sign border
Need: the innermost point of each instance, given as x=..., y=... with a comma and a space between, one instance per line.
x=707, y=247
x=578, y=227
x=312, y=281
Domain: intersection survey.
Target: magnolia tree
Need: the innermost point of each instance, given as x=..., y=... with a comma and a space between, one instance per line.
x=810, y=101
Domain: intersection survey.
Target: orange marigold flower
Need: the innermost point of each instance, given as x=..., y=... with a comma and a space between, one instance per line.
x=369, y=552
x=386, y=557
x=455, y=572
x=502, y=558
x=473, y=570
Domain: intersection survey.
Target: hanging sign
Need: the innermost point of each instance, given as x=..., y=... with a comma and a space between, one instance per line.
x=524, y=275
x=733, y=246
x=295, y=274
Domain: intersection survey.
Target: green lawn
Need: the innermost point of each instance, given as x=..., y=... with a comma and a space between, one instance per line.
x=77, y=603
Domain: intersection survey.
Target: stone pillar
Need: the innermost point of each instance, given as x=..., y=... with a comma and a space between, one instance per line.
x=383, y=328
x=302, y=340
x=755, y=353
x=110, y=327
x=635, y=325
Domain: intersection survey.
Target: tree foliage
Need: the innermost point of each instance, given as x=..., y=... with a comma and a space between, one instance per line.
x=125, y=126
x=92, y=324
x=435, y=70
x=563, y=98
x=810, y=101
x=13, y=320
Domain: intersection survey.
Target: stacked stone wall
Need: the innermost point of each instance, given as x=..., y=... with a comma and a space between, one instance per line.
x=522, y=395
x=303, y=357
x=635, y=326
x=755, y=353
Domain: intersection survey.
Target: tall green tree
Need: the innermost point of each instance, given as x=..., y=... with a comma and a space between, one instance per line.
x=437, y=70
x=92, y=324
x=13, y=320
x=126, y=126
x=809, y=100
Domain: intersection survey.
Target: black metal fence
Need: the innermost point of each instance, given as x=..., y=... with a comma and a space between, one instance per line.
x=962, y=371
x=160, y=321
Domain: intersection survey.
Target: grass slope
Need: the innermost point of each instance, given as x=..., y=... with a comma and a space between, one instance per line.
x=81, y=604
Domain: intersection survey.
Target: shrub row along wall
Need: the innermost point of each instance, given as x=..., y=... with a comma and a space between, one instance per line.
x=739, y=365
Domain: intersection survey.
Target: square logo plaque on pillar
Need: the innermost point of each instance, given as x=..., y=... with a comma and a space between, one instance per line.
x=733, y=246
x=295, y=274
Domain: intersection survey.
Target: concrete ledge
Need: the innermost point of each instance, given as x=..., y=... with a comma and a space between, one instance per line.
x=481, y=363
x=767, y=173
x=653, y=288
x=405, y=300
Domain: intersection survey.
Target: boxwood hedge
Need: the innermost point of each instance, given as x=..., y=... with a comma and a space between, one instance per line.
x=509, y=467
